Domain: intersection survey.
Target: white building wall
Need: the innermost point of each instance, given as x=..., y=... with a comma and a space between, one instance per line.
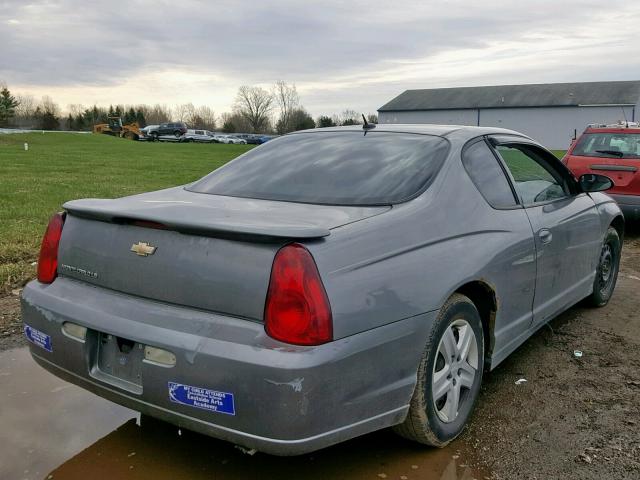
x=552, y=126
x=438, y=117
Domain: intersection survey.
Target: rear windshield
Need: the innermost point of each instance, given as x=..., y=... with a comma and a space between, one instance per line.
x=338, y=168
x=616, y=145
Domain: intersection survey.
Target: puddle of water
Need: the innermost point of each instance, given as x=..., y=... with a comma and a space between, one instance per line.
x=54, y=421
x=45, y=420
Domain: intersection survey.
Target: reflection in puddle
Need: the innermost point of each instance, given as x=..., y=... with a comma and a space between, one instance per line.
x=44, y=420
x=157, y=451
x=54, y=421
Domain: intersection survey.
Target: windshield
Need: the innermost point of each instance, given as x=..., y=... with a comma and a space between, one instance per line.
x=338, y=168
x=617, y=145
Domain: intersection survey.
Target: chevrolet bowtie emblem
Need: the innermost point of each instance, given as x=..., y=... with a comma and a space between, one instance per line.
x=143, y=249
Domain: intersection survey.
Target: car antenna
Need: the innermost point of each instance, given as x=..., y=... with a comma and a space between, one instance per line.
x=367, y=126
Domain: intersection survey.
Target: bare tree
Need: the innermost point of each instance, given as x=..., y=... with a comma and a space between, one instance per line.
x=25, y=111
x=156, y=114
x=287, y=99
x=234, y=123
x=203, y=117
x=254, y=104
x=349, y=117
x=184, y=112
x=49, y=114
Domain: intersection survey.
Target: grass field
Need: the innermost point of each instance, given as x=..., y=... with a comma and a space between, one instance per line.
x=61, y=166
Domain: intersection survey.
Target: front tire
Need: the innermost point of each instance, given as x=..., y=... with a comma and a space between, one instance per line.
x=449, y=376
x=607, y=271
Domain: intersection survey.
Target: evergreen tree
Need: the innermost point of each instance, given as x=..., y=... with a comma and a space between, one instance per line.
x=325, y=121
x=80, y=122
x=8, y=104
x=130, y=116
x=142, y=122
x=301, y=120
x=228, y=127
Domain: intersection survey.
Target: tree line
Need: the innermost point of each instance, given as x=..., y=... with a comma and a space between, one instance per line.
x=255, y=110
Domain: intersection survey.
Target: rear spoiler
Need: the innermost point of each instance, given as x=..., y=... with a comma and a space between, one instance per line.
x=193, y=219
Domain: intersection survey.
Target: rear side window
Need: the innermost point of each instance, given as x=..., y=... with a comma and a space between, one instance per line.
x=613, y=145
x=484, y=170
x=339, y=168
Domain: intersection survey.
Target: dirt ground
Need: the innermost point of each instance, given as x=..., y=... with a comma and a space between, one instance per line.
x=10, y=323
x=573, y=418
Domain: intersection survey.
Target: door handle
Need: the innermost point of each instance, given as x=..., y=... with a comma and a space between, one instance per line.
x=545, y=235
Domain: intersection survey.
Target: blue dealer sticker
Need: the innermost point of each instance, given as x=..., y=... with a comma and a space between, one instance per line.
x=38, y=338
x=220, y=402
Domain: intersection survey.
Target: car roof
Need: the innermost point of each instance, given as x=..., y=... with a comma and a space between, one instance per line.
x=613, y=130
x=459, y=132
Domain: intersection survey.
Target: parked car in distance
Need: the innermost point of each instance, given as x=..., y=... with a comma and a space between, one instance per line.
x=231, y=139
x=263, y=139
x=612, y=150
x=324, y=285
x=200, y=136
x=177, y=129
x=250, y=138
x=145, y=131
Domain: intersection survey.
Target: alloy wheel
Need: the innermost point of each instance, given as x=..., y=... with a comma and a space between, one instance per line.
x=455, y=369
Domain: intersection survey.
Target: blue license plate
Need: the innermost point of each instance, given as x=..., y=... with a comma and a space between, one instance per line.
x=198, y=397
x=38, y=338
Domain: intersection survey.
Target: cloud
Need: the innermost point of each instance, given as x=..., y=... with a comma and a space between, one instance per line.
x=355, y=54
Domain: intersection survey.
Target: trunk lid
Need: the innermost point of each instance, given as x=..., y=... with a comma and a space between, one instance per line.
x=214, y=253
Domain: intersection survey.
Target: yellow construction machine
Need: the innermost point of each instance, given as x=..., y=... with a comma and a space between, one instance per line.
x=115, y=128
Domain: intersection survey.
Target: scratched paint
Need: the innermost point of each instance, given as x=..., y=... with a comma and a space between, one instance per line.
x=295, y=384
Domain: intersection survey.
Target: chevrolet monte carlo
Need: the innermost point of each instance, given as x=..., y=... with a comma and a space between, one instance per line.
x=324, y=285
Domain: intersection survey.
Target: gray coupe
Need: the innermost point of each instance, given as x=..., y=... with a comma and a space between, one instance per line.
x=323, y=285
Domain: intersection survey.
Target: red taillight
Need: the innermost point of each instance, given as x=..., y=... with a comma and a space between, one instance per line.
x=297, y=308
x=48, y=262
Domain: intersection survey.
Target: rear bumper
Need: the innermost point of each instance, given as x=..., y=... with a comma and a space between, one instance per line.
x=287, y=399
x=629, y=204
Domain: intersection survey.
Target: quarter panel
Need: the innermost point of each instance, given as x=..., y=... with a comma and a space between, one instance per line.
x=409, y=260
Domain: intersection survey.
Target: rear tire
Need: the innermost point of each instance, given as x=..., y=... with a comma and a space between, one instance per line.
x=607, y=270
x=447, y=388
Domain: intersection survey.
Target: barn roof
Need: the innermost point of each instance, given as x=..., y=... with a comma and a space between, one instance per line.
x=508, y=96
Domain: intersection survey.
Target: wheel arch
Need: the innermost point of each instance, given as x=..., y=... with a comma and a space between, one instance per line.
x=618, y=224
x=483, y=296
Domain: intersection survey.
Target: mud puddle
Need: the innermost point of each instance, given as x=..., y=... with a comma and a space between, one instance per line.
x=45, y=420
x=51, y=429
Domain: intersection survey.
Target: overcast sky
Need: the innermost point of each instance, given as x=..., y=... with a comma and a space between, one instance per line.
x=350, y=54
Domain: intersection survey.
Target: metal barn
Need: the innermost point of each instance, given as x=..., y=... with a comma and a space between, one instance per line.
x=550, y=113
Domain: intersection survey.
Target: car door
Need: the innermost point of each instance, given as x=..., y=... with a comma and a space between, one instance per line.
x=513, y=269
x=564, y=221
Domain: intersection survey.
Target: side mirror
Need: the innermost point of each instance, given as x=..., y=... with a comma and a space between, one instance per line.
x=592, y=182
